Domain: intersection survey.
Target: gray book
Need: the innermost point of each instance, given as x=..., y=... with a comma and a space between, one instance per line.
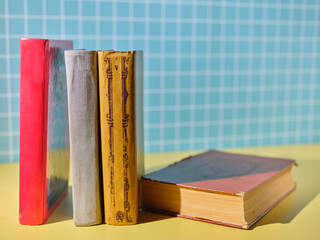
x=82, y=84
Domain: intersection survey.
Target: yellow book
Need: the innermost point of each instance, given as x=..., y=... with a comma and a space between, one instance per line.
x=120, y=83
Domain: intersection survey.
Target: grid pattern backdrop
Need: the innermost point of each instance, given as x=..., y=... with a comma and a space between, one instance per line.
x=217, y=74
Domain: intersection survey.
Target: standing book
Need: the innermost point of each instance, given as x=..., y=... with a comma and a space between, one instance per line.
x=223, y=188
x=120, y=86
x=82, y=83
x=44, y=139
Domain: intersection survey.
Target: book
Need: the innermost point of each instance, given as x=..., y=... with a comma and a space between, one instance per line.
x=44, y=139
x=120, y=86
x=223, y=188
x=82, y=85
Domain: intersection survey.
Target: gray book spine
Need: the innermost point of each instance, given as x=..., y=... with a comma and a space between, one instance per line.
x=82, y=85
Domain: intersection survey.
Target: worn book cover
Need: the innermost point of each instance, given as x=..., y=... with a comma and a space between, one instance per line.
x=82, y=84
x=44, y=139
x=233, y=182
x=120, y=86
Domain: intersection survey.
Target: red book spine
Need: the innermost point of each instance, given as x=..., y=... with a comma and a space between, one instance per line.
x=34, y=71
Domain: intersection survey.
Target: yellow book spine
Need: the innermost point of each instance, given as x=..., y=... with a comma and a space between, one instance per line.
x=118, y=136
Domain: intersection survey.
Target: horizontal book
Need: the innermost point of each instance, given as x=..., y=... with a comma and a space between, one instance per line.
x=44, y=130
x=223, y=188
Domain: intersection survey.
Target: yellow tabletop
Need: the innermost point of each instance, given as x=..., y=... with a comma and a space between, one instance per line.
x=296, y=217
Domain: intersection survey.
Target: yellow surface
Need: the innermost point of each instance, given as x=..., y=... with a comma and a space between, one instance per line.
x=296, y=217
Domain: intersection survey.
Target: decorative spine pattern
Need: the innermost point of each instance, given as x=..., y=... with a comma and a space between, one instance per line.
x=110, y=121
x=118, y=137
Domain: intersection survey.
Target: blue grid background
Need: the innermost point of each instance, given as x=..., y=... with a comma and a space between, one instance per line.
x=218, y=74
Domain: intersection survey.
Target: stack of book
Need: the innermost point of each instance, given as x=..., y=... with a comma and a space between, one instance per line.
x=87, y=106
x=113, y=81
x=88, y=103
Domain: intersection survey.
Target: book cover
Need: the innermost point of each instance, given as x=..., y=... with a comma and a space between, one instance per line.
x=44, y=139
x=82, y=84
x=120, y=86
x=224, y=174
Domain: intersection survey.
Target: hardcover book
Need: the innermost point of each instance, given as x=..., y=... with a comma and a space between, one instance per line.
x=44, y=139
x=120, y=86
x=82, y=84
x=223, y=188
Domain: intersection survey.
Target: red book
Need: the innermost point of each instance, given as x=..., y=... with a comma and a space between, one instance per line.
x=44, y=139
x=223, y=188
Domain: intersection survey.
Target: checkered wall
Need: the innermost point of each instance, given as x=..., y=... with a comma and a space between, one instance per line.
x=218, y=74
